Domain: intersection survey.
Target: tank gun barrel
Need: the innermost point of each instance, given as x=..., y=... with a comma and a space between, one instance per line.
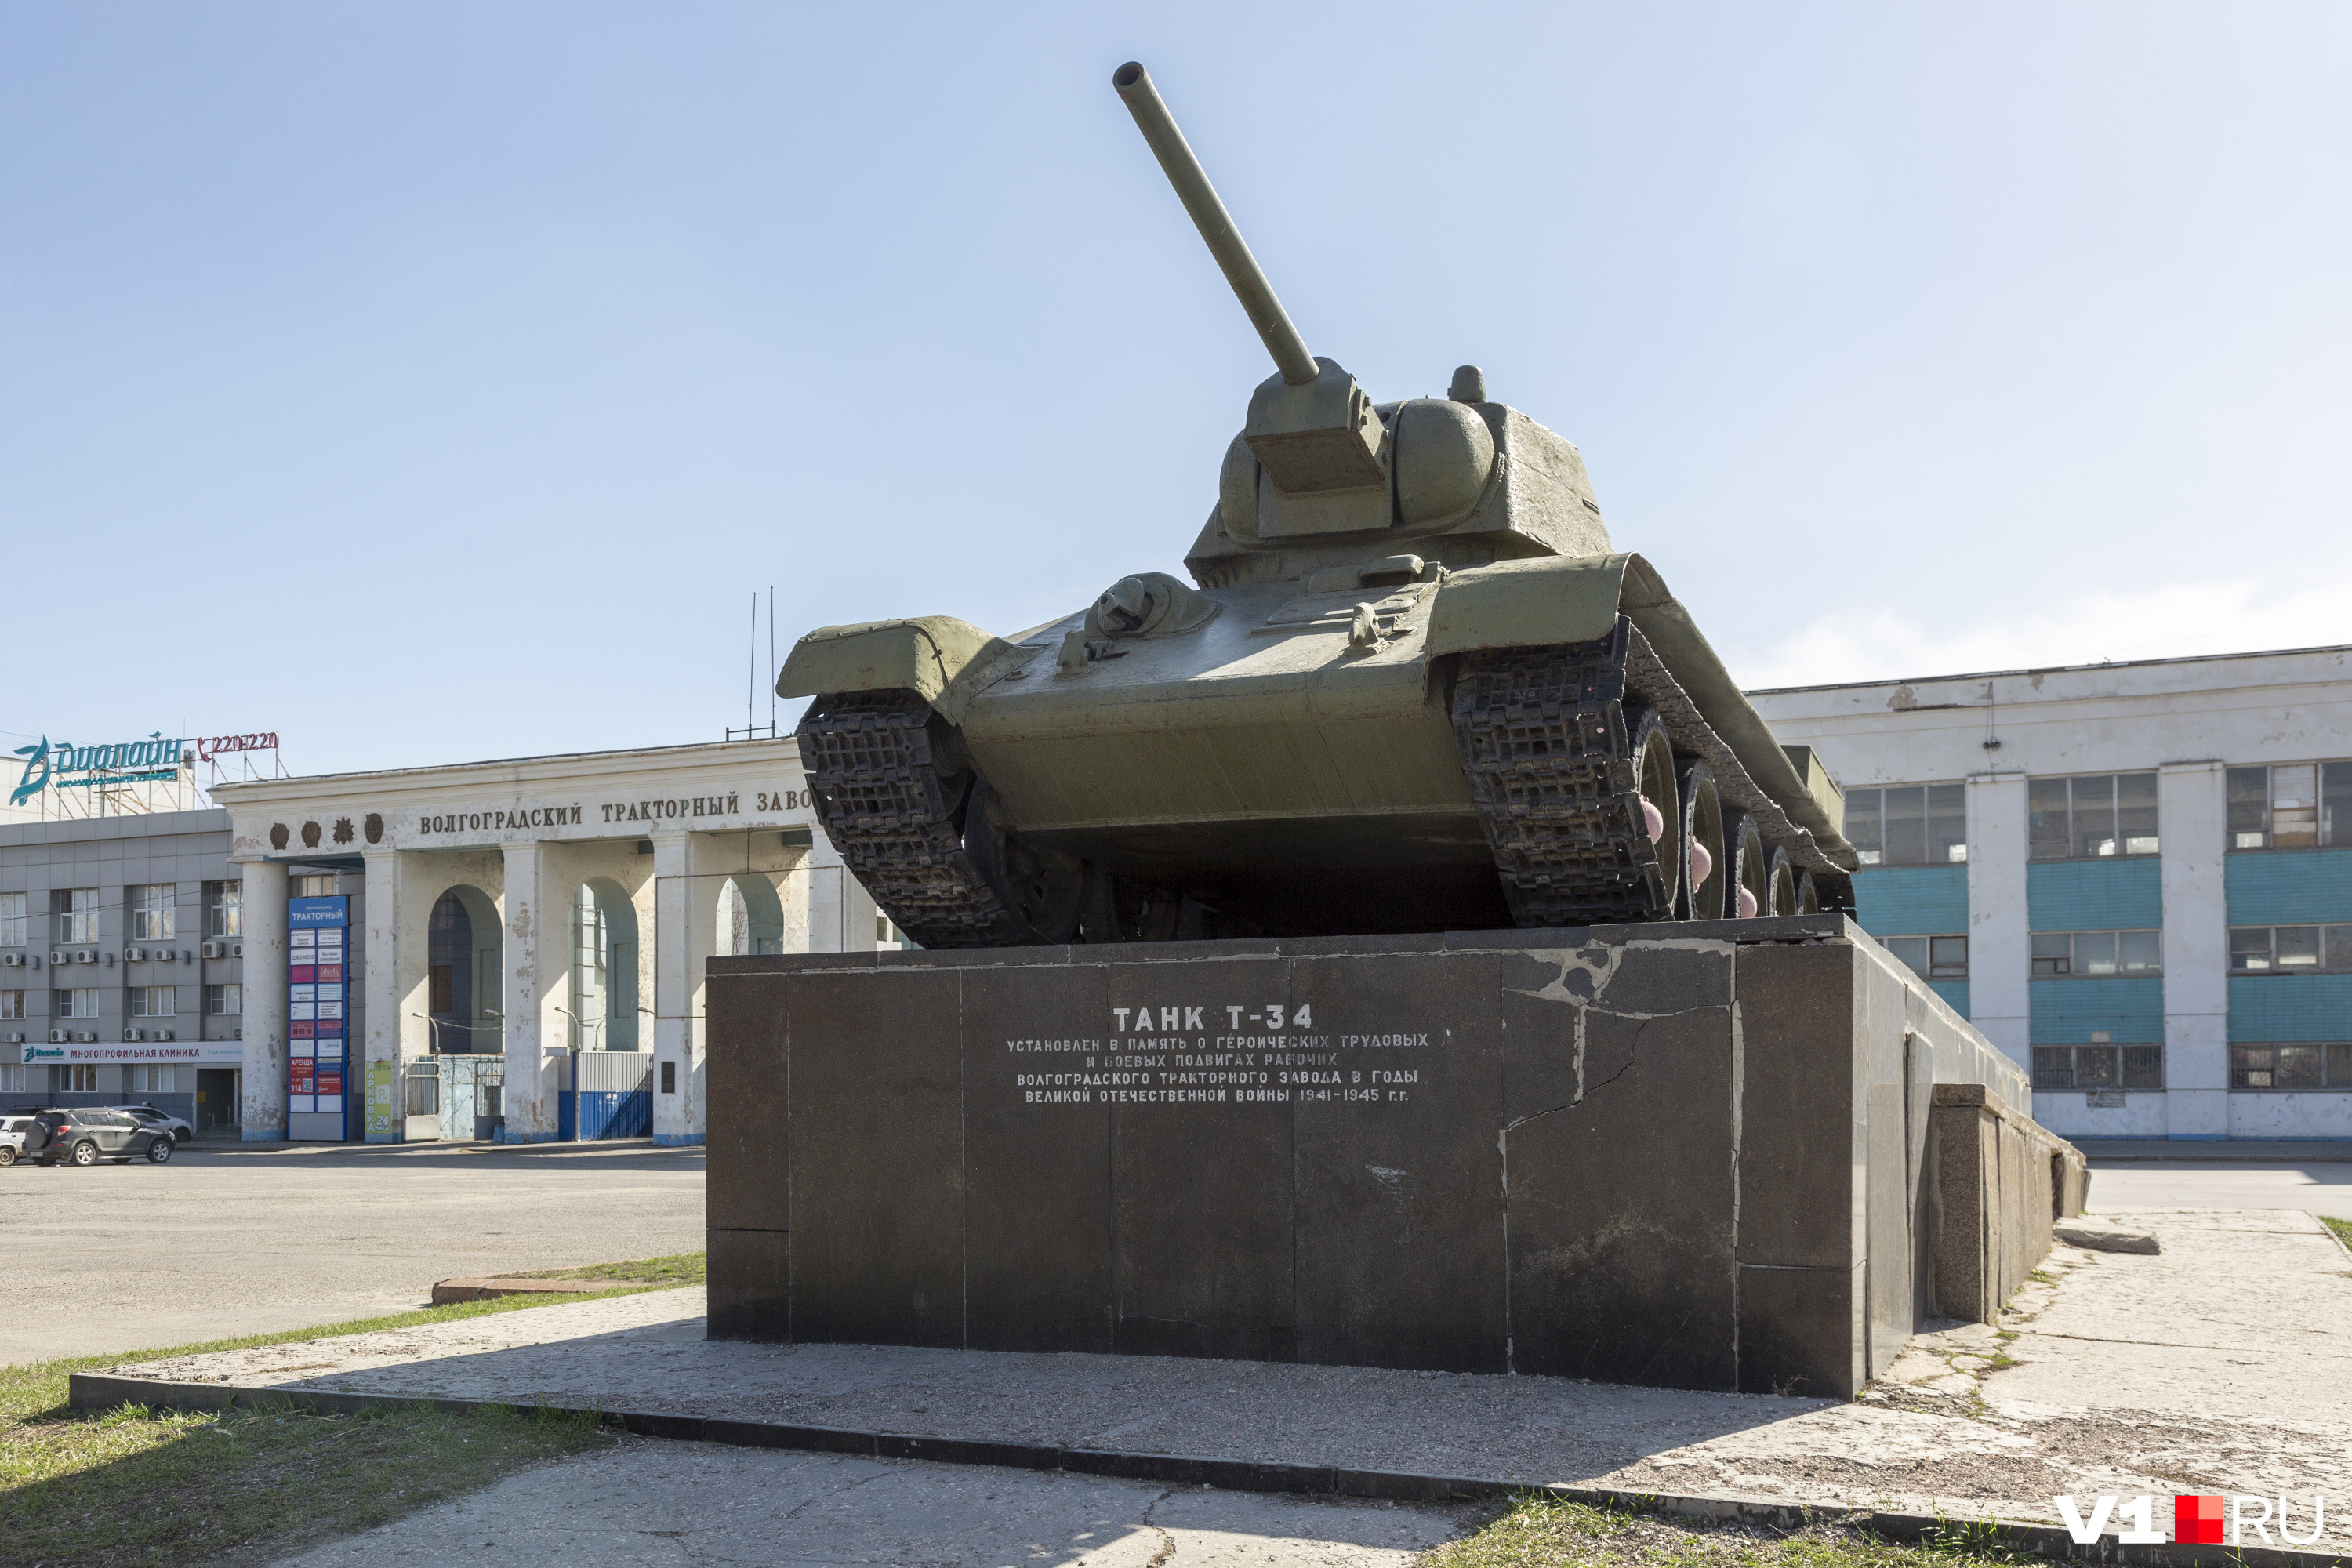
x=1215, y=224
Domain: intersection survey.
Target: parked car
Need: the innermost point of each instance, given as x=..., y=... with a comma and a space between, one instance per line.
x=14, y=1130
x=150, y=1116
x=85, y=1136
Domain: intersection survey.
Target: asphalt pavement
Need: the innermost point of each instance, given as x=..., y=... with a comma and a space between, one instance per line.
x=243, y=1239
x=2319, y=1182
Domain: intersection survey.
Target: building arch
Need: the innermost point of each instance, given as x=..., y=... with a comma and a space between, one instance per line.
x=464, y=960
x=750, y=916
x=604, y=955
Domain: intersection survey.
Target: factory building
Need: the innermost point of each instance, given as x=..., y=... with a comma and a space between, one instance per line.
x=2136, y=879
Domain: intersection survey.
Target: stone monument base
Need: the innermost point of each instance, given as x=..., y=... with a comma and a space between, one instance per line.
x=1739, y=1155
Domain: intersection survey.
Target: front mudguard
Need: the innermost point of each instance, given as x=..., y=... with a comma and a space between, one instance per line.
x=940, y=658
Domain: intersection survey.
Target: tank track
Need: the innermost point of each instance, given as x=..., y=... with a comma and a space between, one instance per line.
x=1546, y=752
x=873, y=775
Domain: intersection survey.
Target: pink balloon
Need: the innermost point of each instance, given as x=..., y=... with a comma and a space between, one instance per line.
x=1701, y=864
x=1746, y=905
x=1654, y=819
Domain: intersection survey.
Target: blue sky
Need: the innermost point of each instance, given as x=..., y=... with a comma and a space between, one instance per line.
x=430, y=383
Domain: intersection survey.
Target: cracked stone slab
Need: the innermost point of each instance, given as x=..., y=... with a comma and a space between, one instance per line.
x=2109, y=1372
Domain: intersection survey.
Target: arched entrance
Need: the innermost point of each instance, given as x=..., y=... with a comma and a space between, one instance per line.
x=462, y=1094
x=604, y=967
x=750, y=916
x=465, y=955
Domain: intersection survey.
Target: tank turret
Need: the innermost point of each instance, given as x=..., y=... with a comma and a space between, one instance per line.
x=1319, y=469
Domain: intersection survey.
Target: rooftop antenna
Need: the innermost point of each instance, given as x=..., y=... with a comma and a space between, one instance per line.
x=751, y=730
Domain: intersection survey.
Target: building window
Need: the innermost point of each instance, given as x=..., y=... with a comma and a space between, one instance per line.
x=12, y=1078
x=1908, y=825
x=225, y=1000
x=149, y=1078
x=2291, y=950
x=79, y=1004
x=423, y=1095
x=74, y=1078
x=2061, y=1068
x=152, y=912
x=313, y=886
x=2092, y=817
x=2301, y=806
x=1931, y=957
x=2291, y=1067
x=12, y=920
x=225, y=909
x=12, y=1004
x=2068, y=954
x=77, y=912
x=152, y=1001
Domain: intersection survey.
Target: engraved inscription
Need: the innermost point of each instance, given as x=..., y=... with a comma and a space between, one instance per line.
x=1271, y=1053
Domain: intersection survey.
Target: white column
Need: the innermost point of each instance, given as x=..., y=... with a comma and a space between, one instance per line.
x=686, y=931
x=2192, y=821
x=263, y=1111
x=535, y=939
x=398, y=938
x=1999, y=948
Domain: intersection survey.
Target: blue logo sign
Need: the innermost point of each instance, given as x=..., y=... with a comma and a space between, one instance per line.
x=131, y=761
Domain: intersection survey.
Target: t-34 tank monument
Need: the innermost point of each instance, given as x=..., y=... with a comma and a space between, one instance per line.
x=1411, y=687
x=1400, y=946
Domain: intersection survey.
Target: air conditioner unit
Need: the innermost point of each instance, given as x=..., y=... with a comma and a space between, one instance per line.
x=87, y=1036
x=163, y=1034
x=134, y=1037
x=238, y=1033
x=88, y=955
x=60, y=1036
x=15, y=1036
x=236, y=950
x=134, y=955
x=59, y=955
x=13, y=960
x=216, y=950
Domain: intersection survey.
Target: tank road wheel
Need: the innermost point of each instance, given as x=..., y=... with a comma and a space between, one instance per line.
x=1781, y=879
x=1705, y=872
x=1747, y=872
x=1659, y=803
x=1808, y=897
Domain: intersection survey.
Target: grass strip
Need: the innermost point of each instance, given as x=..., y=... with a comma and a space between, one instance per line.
x=136, y=1484
x=677, y=1269
x=2342, y=1228
x=1540, y=1533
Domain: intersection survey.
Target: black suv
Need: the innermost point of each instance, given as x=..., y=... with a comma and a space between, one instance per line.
x=87, y=1135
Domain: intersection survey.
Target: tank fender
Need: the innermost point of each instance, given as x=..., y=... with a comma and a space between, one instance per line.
x=943, y=660
x=1539, y=602
x=1534, y=602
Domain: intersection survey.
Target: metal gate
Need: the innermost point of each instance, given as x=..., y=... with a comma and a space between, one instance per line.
x=472, y=1090
x=614, y=1091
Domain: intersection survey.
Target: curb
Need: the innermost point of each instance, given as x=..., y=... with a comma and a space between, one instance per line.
x=98, y=1391
x=489, y=1286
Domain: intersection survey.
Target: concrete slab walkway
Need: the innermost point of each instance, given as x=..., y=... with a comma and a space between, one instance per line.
x=650, y=1502
x=2220, y=1364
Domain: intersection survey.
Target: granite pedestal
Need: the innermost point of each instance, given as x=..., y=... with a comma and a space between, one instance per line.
x=1698, y=1156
